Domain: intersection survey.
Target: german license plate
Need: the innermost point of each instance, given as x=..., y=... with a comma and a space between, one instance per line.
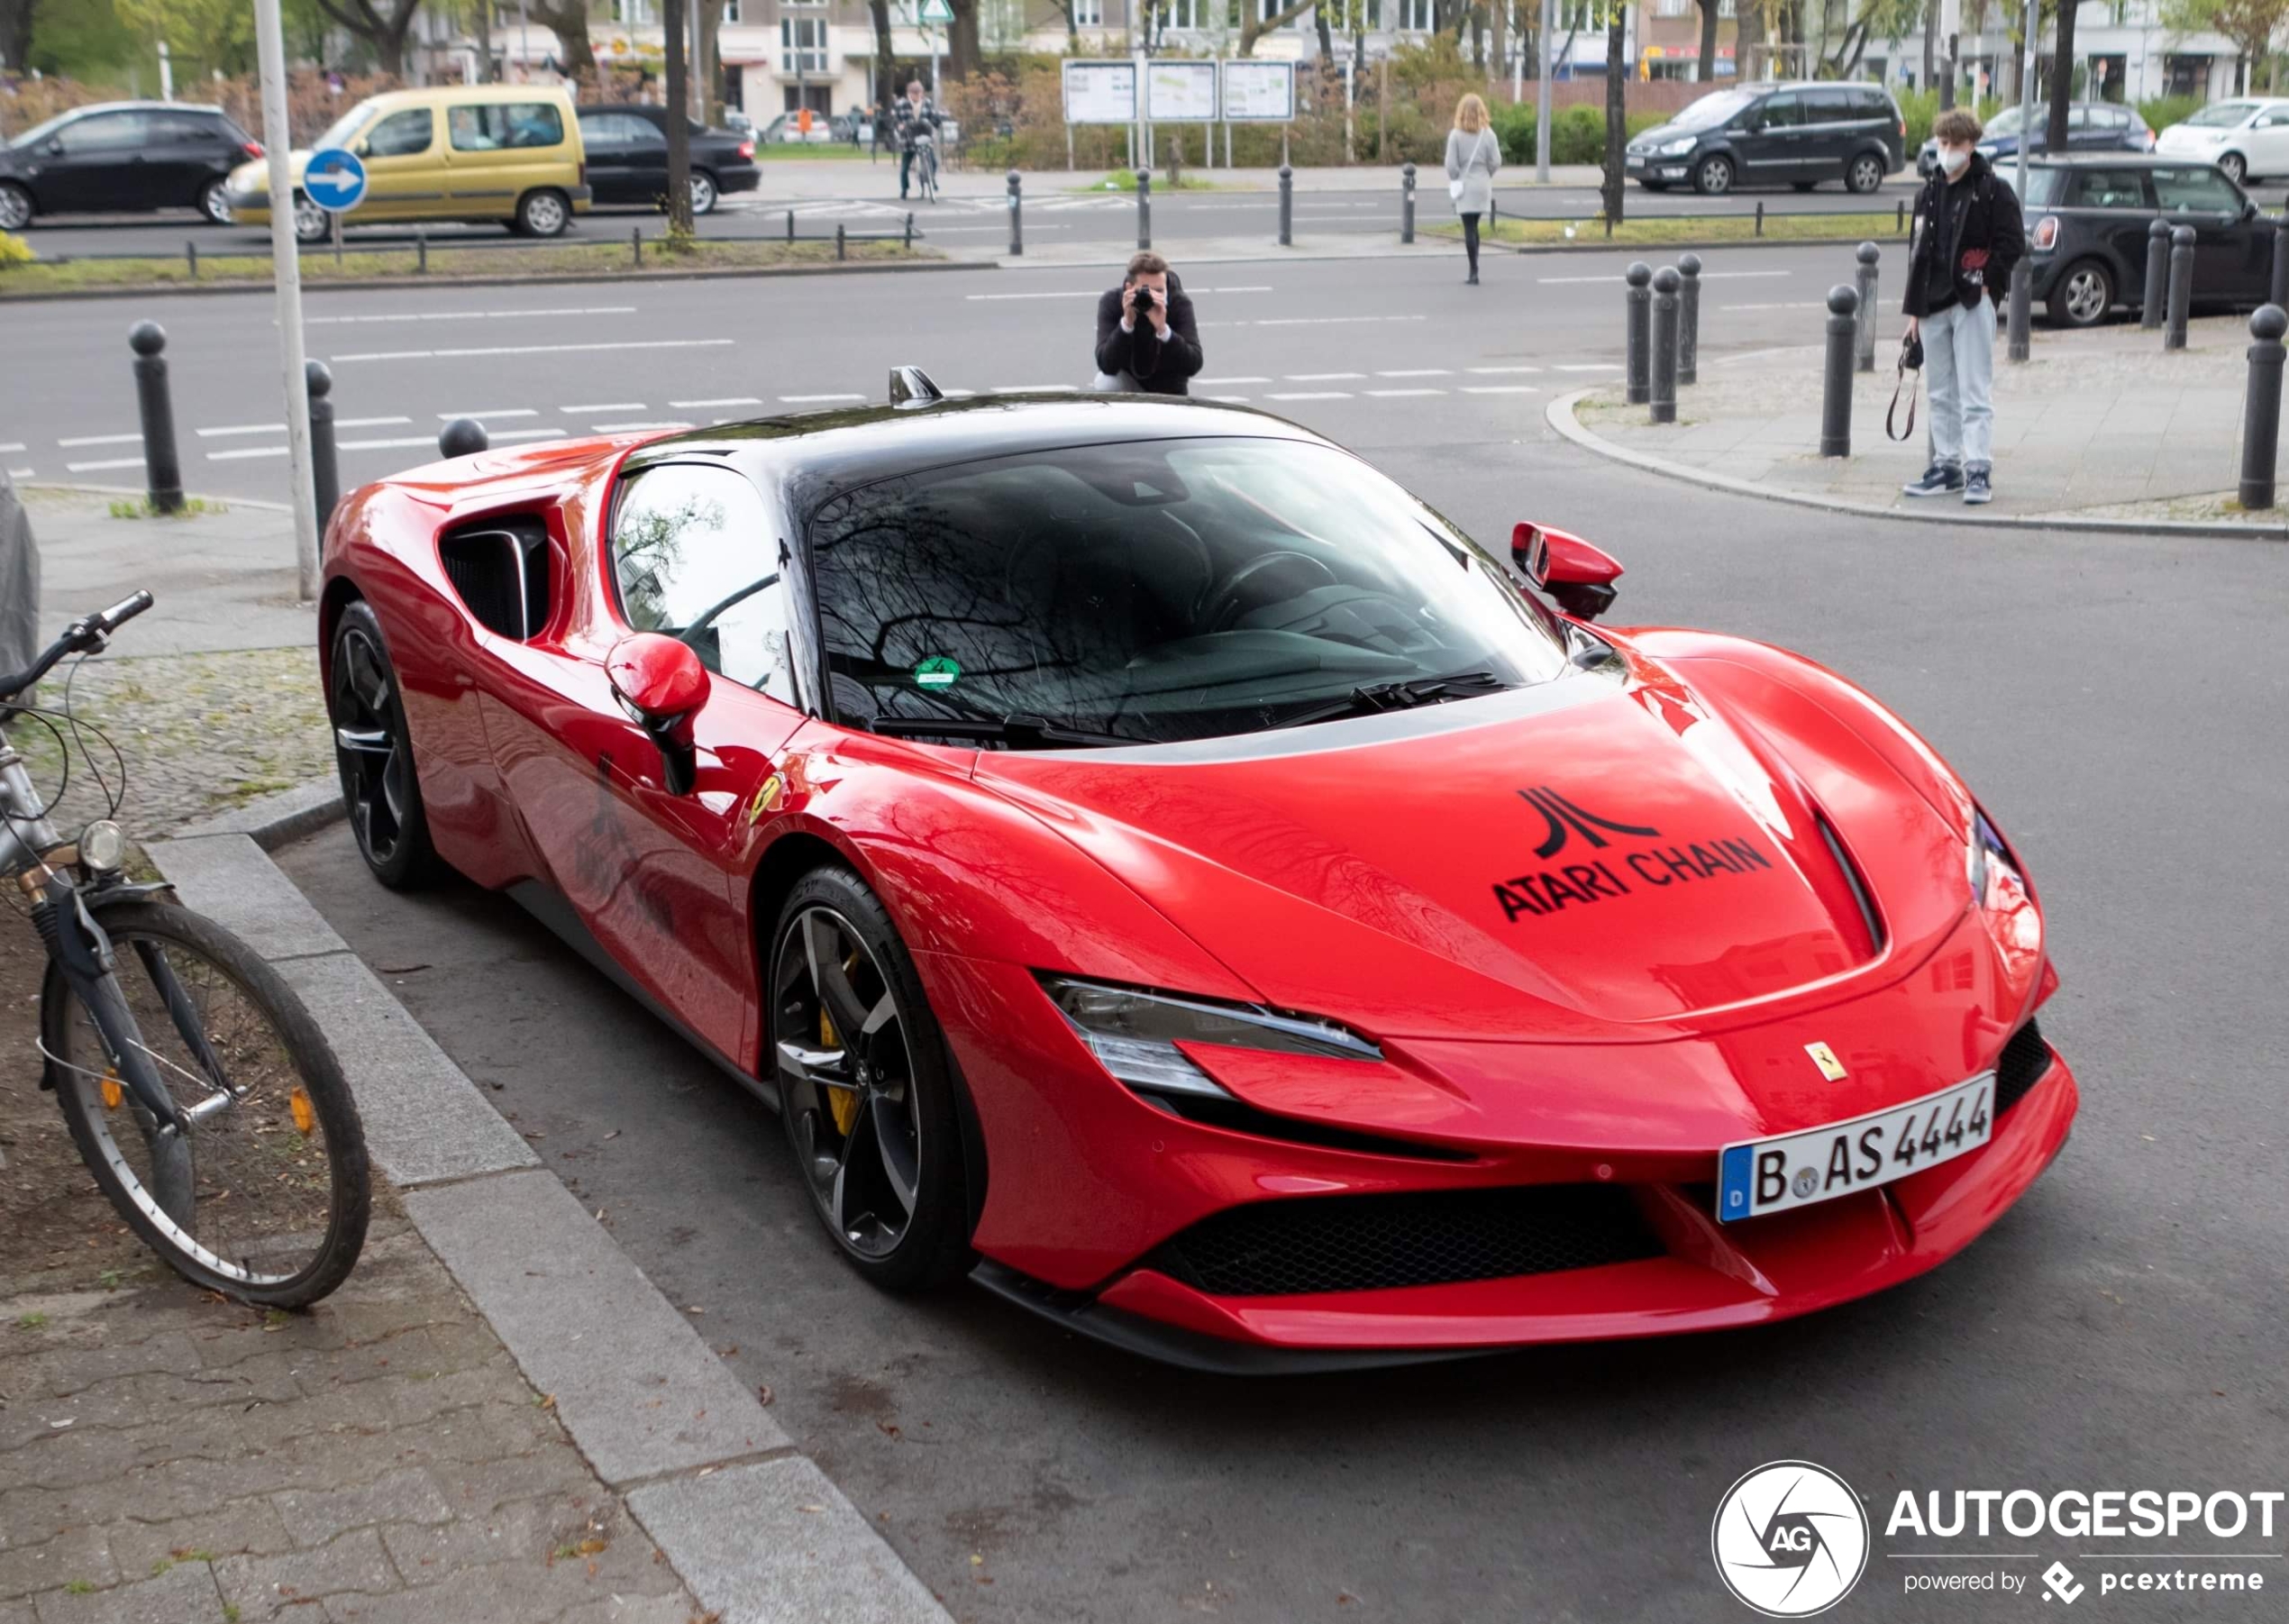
x=1798, y=1169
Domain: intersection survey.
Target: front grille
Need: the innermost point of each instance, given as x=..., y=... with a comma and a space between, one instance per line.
x=1375, y=1242
x=2024, y=1062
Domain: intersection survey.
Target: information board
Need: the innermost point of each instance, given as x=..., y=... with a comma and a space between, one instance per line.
x=1179, y=92
x=1101, y=93
x=1259, y=92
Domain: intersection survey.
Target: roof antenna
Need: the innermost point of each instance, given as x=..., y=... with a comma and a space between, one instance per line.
x=911, y=385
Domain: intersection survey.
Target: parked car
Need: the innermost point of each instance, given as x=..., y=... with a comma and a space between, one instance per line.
x=2091, y=127
x=855, y=126
x=120, y=156
x=2086, y=226
x=787, y=127
x=628, y=153
x=2246, y=137
x=473, y=152
x=1762, y=134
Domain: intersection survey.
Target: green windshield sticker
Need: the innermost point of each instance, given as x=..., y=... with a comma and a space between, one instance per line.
x=936, y=671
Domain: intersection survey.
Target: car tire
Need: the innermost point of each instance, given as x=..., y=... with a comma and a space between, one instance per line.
x=2084, y=295
x=374, y=754
x=2233, y=167
x=1655, y=185
x=1864, y=174
x=902, y=1126
x=541, y=213
x=703, y=193
x=215, y=201
x=1803, y=186
x=1713, y=176
x=311, y=224
x=16, y=207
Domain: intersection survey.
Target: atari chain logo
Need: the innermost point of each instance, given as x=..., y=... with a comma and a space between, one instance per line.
x=1562, y=814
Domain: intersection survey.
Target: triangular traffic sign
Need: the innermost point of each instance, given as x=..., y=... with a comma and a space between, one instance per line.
x=935, y=12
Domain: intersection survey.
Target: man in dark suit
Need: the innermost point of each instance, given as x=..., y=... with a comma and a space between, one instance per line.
x=1145, y=336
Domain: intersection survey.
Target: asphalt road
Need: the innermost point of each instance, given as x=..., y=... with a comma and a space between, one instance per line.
x=2116, y=700
x=1373, y=347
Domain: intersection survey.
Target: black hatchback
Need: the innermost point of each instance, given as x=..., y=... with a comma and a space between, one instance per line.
x=2087, y=219
x=122, y=156
x=627, y=154
x=1764, y=134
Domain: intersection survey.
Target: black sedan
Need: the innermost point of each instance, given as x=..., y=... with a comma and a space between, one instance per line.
x=2087, y=219
x=627, y=148
x=122, y=157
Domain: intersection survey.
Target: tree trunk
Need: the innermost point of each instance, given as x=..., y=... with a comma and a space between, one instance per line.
x=2062, y=75
x=962, y=52
x=678, y=96
x=1478, y=40
x=16, y=34
x=708, y=69
x=484, y=31
x=1707, y=71
x=1501, y=22
x=885, y=61
x=1930, y=44
x=1327, y=39
x=1945, y=67
x=1617, y=122
x=568, y=19
x=1254, y=28
x=389, y=53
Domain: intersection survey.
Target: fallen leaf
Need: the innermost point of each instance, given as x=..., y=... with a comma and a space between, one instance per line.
x=887, y=1429
x=762, y=1392
x=67, y=1421
x=614, y=1134
x=695, y=1309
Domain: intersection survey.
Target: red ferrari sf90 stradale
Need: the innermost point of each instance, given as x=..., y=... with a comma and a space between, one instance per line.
x=1161, y=868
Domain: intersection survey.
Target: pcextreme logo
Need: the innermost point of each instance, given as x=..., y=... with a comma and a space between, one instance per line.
x=1790, y=1540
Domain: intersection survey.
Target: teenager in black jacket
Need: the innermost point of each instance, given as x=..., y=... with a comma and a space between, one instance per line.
x=1145, y=334
x=1968, y=235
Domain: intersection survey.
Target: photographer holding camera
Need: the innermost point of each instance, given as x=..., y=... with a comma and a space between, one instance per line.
x=1146, y=341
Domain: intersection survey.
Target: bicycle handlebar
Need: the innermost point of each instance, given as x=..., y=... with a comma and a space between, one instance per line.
x=88, y=633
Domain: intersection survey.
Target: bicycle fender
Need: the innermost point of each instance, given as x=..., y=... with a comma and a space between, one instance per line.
x=83, y=953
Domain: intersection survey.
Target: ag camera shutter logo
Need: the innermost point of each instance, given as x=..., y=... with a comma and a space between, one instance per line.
x=1790, y=1540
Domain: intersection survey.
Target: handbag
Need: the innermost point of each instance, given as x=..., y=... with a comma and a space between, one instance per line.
x=1909, y=377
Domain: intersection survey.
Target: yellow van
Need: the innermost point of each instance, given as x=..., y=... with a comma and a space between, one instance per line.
x=505, y=152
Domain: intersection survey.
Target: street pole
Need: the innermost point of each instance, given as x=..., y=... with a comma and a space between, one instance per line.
x=165, y=73
x=285, y=269
x=1518, y=54
x=524, y=43
x=1542, y=95
x=2026, y=101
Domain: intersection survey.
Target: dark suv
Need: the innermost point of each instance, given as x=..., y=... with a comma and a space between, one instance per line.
x=1762, y=134
x=2087, y=218
x=120, y=156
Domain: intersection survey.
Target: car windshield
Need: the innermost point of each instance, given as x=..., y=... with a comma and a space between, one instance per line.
x=339, y=132
x=1158, y=590
x=2005, y=122
x=1712, y=109
x=2222, y=114
x=39, y=133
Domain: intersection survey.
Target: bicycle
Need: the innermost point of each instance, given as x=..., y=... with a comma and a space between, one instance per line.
x=926, y=163
x=197, y=1088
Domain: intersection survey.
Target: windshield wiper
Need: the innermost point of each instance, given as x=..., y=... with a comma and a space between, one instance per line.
x=1024, y=731
x=1377, y=697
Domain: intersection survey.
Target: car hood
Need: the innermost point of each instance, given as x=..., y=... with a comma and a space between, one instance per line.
x=2190, y=135
x=1645, y=140
x=1591, y=859
x=254, y=176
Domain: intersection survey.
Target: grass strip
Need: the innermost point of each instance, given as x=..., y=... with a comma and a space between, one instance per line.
x=1690, y=230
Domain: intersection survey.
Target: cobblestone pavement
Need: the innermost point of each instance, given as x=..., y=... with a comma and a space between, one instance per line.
x=172, y=1457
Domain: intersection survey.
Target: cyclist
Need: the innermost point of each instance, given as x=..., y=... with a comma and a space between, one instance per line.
x=914, y=117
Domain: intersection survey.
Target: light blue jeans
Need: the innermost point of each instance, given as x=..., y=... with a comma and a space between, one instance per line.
x=1960, y=370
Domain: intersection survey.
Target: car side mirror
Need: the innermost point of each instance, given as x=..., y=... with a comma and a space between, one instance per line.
x=659, y=683
x=364, y=149
x=1577, y=576
x=54, y=149
x=2248, y=208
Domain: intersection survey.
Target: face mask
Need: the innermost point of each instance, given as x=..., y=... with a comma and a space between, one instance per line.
x=1953, y=158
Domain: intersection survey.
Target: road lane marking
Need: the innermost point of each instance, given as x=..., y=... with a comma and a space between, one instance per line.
x=103, y=440
x=495, y=412
x=368, y=422
x=1399, y=394
x=462, y=315
x=1081, y=293
x=1706, y=276
x=1500, y=388
x=1784, y=305
x=21, y=473
x=1312, y=394
x=1421, y=372
x=14, y=445
x=1228, y=399
x=644, y=343
x=1485, y=371
x=815, y=399
x=602, y=405
x=1316, y=321
x=633, y=428
x=1590, y=365
x=1320, y=377
x=89, y=468
x=1030, y=388
x=708, y=405
x=1250, y=378
x=243, y=428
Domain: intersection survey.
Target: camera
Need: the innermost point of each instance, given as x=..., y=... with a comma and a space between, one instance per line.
x=1143, y=299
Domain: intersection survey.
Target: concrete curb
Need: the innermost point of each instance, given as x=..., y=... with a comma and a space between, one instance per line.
x=1560, y=417
x=144, y=290
x=138, y=491
x=754, y=1527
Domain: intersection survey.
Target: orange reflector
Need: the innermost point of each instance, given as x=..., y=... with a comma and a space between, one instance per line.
x=113, y=1093
x=298, y=1102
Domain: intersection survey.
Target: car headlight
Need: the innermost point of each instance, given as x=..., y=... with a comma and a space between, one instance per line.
x=1133, y=1033
x=1995, y=874
x=1678, y=148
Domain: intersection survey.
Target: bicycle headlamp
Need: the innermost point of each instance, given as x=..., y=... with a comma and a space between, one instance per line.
x=103, y=847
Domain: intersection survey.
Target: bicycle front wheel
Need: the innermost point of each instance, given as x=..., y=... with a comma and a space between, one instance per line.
x=266, y=1197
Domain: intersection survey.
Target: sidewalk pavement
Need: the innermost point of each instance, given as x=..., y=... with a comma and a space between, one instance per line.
x=1208, y=251
x=2102, y=428
x=797, y=180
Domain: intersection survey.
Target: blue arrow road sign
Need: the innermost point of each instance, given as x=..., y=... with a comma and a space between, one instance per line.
x=334, y=179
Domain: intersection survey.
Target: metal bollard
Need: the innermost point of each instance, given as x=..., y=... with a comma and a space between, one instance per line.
x=1636, y=385
x=1287, y=206
x=1665, y=284
x=2158, y=271
x=190, y=254
x=790, y=226
x=2279, y=290
x=1899, y=218
x=1144, y=208
x=841, y=251
x=2261, y=409
x=462, y=437
x=1836, y=393
x=1864, y=337
x=2022, y=294
x=1016, y=214
x=635, y=244
x=421, y=251
x=1760, y=217
x=1689, y=320
x=2181, y=286
x=1407, y=203
x=325, y=464
x=162, y=470
x=909, y=228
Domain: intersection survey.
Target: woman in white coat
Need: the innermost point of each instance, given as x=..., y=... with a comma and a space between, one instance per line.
x=1473, y=155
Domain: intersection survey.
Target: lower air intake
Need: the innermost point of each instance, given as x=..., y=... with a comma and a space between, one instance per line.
x=2024, y=1062
x=1425, y=1238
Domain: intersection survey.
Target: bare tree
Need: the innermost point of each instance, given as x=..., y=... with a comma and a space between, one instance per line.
x=679, y=120
x=568, y=19
x=384, y=30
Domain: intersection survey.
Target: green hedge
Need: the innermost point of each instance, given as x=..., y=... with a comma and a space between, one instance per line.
x=2164, y=111
x=1577, y=134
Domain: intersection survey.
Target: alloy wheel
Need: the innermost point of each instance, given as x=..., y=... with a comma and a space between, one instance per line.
x=15, y=209
x=310, y=225
x=702, y=195
x=1866, y=174
x=846, y=1076
x=2087, y=296
x=543, y=214
x=215, y=201
x=1715, y=178
x=374, y=771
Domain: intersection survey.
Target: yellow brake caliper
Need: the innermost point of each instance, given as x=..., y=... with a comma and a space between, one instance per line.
x=842, y=1100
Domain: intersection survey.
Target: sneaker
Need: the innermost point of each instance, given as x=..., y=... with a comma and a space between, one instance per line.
x=1978, y=490
x=1938, y=480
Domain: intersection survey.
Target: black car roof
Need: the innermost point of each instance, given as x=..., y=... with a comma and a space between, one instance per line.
x=814, y=455
x=2112, y=160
